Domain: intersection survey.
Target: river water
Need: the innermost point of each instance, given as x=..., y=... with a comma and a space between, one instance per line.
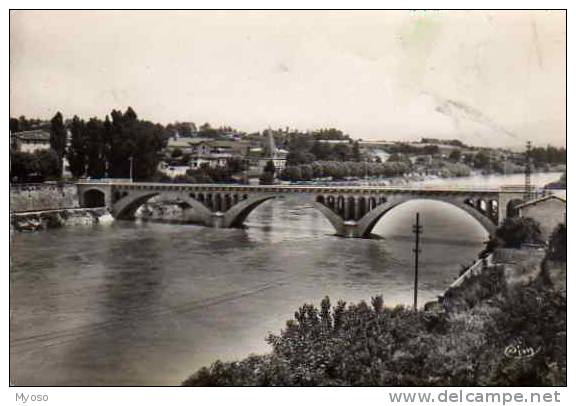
x=131, y=303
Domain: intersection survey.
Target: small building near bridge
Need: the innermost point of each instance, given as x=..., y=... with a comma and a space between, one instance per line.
x=549, y=211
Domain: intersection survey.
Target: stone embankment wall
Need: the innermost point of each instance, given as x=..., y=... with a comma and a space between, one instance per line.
x=42, y=220
x=39, y=206
x=43, y=196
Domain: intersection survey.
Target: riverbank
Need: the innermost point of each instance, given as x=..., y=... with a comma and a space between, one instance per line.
x=504, y=326
x=47, y=219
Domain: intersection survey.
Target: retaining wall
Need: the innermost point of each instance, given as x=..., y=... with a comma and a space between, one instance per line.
x=43, y=196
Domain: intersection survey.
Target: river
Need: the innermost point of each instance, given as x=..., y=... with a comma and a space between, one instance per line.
x=141, y=303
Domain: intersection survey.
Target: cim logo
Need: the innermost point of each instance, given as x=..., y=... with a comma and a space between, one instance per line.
x=520, y=349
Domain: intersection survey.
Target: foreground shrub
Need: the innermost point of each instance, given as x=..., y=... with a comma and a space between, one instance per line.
x=365, y=344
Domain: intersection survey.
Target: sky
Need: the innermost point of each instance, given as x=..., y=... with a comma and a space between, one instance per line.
x=487, y=78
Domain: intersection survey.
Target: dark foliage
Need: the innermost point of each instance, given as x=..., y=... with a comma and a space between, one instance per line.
x=557, y=247
x=516, y=231
x=37, y=166
x=550, y=155
x=58, y=136
x=77, y=150
x=106, y=148
x=341, y=170
x=364, y=345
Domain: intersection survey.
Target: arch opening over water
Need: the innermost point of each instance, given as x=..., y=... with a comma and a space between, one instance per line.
x=94, y=198
x=440, y=219
x=292, y=215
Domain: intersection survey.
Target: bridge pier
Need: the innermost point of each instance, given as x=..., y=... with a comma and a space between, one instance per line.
x=351, y=230
x=217, y=220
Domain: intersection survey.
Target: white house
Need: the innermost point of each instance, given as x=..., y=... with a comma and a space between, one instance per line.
x=30, y=141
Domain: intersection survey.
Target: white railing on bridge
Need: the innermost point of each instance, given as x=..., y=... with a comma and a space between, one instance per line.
x=106, y=180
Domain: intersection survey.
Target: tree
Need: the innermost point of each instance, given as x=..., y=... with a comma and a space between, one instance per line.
x=14, y=125
x=267, y=177
x=18, y=166
x=431, y=149
x=77, y=149
x=455, y=155
x=299, y=157
x=516, y=231
x=321, y=150
x=293, y=173
x=557, y=248
x=269, y=167
x=36, y=166
x=481, y=160
x=131, y=139
x=184, y=130
x=47, y=163
x=356, y=155
x=95, y=148
x=185, y=159
x=206, y=131
x=58, y=137
x=177, y=153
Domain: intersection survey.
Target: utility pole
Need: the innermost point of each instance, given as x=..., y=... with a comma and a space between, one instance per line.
x=417, y=230
x=131, y=168
x=527, y=173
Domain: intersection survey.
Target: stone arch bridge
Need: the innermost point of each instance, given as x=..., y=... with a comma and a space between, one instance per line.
x=353, y=211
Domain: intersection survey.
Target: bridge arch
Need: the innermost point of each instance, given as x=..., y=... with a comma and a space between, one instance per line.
x=126, y=207
x=93, y=197
x=368, y=222
x=238, y=213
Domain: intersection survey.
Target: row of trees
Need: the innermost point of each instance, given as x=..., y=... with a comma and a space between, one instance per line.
x=110, y=147
x=25, y=124
x=548, y=156
x=113, y=147
x=308, y=147
x=341, y=170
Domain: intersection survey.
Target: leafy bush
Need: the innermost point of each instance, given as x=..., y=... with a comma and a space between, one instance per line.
x=516, y=231
x=362, y=345
x=40, y=164
x=534, y=318
x=557, y=248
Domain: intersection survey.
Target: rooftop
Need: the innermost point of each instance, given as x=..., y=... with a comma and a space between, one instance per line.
x=540, y=200
x=32, y=135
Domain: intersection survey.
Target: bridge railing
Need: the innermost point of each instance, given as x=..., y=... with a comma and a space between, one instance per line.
x=375, y=188
x=107, y=180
